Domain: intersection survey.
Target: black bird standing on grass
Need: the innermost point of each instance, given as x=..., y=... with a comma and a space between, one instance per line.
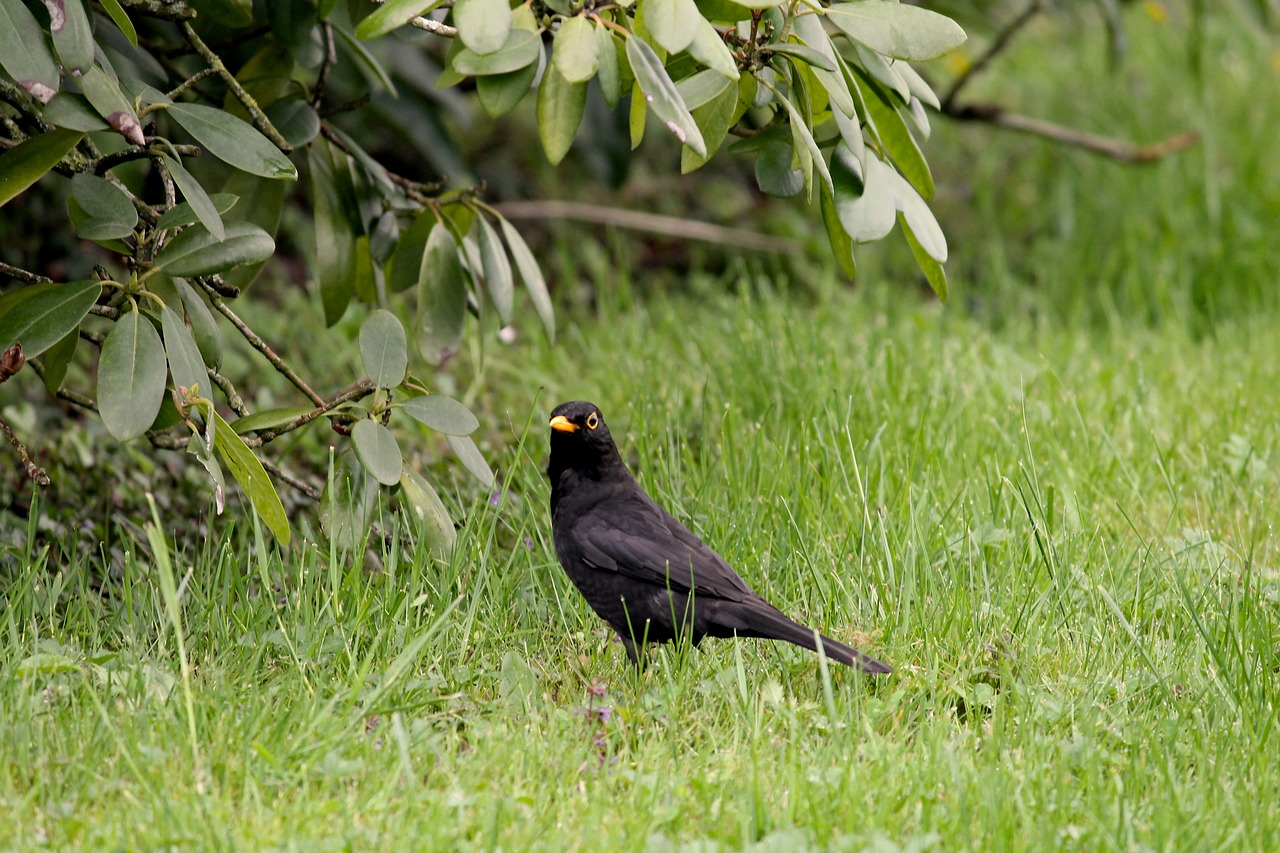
x=642, y=571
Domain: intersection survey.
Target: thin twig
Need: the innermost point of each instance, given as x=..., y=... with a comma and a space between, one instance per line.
x=653, y=223
x=135, y=152
x=326, y=65
x=260, y=345
x=997, y=46
x=428, y=25
x=177, y=91
x=293, y=480
x=259, y=117
x=1117, y=149
x=359, y=390
x=234, y=400
x=22, y=275
x=34, y=471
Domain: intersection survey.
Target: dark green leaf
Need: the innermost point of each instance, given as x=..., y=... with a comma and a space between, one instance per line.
x=203, y=327
x=704, y=87
x=269, y=419
x=576, y=53
x=103, y=92
x=72, y=36
x=261, y=202
x=897, y=140
x=714, y=120
x=121, y=19
x=383, y=349
x=809, y=28
x=367, y=64
x=196, y=252
x=497, y=269
x=520, y=49
x=841, y=242
x=392, y=15
x=24, y=53
x=73, y=111
x=57, y=359
x=471, y=459
x=195, y=195
x=425, y=506
x=560, y=108
x=672, y=23
x=377, y=450
x=442, y=414
x=482, y=25
x=442, y=298
x=131, y=374
x=296, y=120
x=896, y=29
x=531, y=275
x=932, y=270
x=181, y=215
x=251, y=476
x=186, y=365
x=335, y=242
x=108, y=210
x=774, y=173
x=233, y=141
x=499, y=93
x=25, y=163
x=39, y=315
x=406, y=262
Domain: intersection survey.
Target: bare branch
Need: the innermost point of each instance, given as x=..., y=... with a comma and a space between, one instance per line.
x=295, y=481
x=259, y=117
x=169, y=10
x=430, y=26
x=997, y=46
x=21, y=274
x=653, y=223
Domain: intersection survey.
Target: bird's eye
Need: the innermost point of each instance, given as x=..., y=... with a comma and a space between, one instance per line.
x=593, y=420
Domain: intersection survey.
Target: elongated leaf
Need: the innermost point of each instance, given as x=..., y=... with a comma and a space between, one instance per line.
x=608, y=75
x=520, y=49
x=576, y=53
x=883, y=70
x=72, y=111
x=815, y=59
x=497, y=269
x=233, y=141
x=714, y=120
x=378, y=451
x=471, y=459
x=532, y=277
x=442, y=298
x=897, y=139
x=392, y=15
x=40, y=315
x=182, y=214
x=186, y=365
x=561, y=105
x=662, y=96
x=57, y=359
x=365, y=62
x=335, y=240
x=863, y=197
x=121, y=19
x=196, y=252
x=671, y=23
x=131, y=373
x=405, y=265
x=24, y=53
x=703, y=87
x=196, y=197
x=919, y=88
x=709, y=48
x=425, y=505
x=933, y=271
x=916, y=212
x=269, y=419
x=499, y=93
x=203, y=327
x=103, y=92
x=109, y=213
x=261, y=203
x=27, y=162
x=383, y=349
x=442, y=414
x=249, y=473
x=72, y=36
x=841, y=242
x=896, y=29
x=804, y=137
x=809, y=28
x=482, y=25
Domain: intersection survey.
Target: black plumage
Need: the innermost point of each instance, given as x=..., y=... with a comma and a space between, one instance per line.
x=642, y=571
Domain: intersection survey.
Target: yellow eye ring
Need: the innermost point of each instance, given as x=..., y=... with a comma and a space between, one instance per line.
x=593, y=420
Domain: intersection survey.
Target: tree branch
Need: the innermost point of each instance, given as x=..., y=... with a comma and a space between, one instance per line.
x=22, y=275
x=428, y=25
x=997, y=46
x=259, y=117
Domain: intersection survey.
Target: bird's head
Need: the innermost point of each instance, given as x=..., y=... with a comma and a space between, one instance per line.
x=579, y=438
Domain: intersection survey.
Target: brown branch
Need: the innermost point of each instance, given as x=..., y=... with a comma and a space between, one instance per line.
x=653, y=223
x=295, y=481
x=259, y=117
x=135, y=152
x=260, y=345
x=234, y=400
x=997, y=46
x=326, y=65
x=1117, y=149
x=22, y=275
x=359, y=390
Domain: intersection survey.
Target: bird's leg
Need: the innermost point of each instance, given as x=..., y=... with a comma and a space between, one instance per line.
x=635, y=653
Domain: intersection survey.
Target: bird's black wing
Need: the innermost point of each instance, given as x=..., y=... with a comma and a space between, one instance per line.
x=644, y=542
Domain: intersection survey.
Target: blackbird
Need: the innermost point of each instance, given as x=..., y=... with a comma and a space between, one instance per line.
x=642, y=571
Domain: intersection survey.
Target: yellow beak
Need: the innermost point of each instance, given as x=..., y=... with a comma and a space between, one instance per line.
x=562, y=424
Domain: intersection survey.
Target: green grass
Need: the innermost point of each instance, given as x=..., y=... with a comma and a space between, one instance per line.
x=1063, y=541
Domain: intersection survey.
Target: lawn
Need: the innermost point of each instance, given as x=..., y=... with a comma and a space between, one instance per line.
x=1051, y=505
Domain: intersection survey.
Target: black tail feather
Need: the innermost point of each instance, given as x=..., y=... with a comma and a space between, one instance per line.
x=765, y=621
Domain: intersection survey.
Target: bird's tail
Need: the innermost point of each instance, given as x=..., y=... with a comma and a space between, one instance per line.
x=770, y=623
